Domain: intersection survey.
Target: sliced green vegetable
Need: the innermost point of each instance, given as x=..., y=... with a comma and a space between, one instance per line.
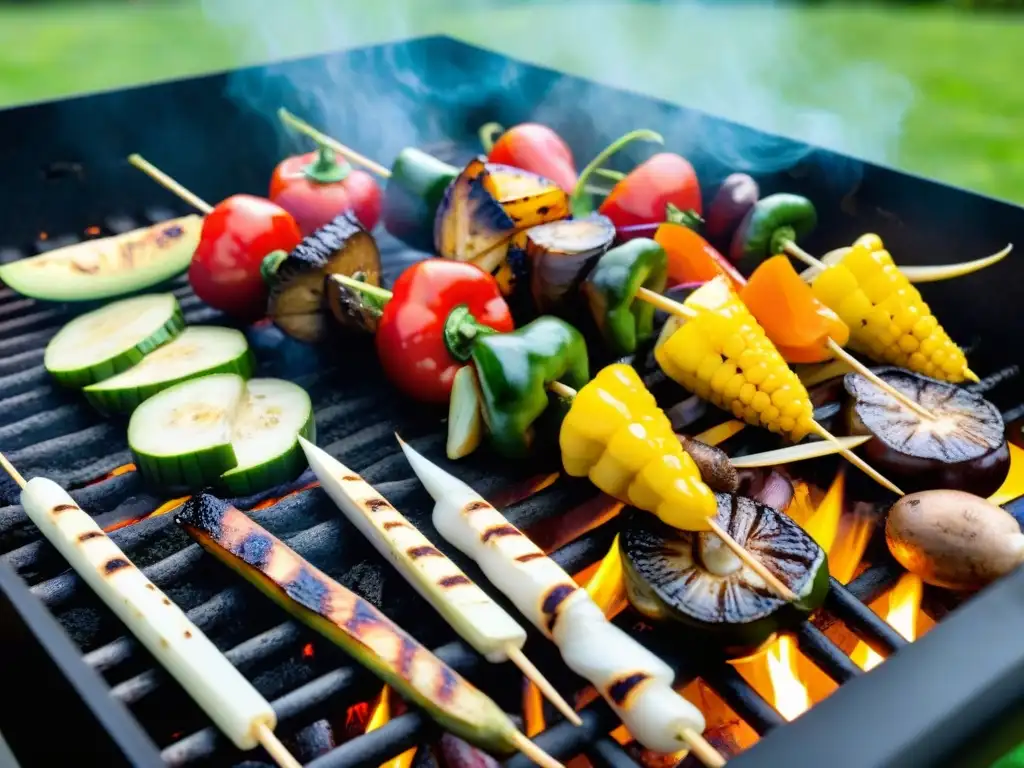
x=99, y=344
x=181, y=438
x=412, y=196
x=694, y=579
x=110, y=266
x=198, y=351
x=265, y=436
x=465, y=422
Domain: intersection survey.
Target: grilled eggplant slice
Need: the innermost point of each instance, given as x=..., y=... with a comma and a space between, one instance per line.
x=486, y=205
x=963, y=448
x=348, y=621
x=297, y=303
x=353, y=310
x=560, y=255
x=692, y=578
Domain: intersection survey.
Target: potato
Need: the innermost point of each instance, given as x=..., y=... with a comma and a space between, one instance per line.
x=953, y=539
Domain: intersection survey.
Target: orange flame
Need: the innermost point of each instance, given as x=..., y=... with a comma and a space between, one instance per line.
x=533, y=710
x=788, y=692
x=902, y=609
x=382, y=716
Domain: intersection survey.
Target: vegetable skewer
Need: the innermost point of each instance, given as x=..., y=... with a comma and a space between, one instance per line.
x=354, y=625
x=478, y=619
x=170, y=184
x=635, y=682
x=186, y=653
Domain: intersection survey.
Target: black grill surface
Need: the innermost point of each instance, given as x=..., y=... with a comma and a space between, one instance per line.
x=47, y=431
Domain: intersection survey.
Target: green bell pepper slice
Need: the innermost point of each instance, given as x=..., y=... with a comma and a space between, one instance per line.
x=514, y=370
x=611, y=289
x=412, y=195
x=769, y=225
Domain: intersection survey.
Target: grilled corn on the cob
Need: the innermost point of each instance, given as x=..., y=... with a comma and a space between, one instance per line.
x=888, y=319
x=616, y=435
x=722, y=355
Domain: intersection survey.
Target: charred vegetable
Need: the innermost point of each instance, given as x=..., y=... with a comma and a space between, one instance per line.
x=953, y=539
x=297, y=292
x=486, y=205
x=560, y=255
x=963, y=448
x=714, y=464
x=348, y=621
x=354, y=310
x=693, y=578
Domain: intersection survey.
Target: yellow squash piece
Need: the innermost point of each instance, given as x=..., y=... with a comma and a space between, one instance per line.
x=888, y=319
x=722, y=355
x=616, y=435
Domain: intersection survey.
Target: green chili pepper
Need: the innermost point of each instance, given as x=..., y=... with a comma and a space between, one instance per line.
x=611, y=289
x=769, y=225
x=514, y=370
x=413, y=194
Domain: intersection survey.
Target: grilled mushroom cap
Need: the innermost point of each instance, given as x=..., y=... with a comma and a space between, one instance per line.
x=692, y=578
x=963, y=448
x=352, y=309
x=342, y=247
x=715, y=468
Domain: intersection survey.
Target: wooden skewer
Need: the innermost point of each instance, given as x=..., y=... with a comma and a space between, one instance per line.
x=266, y=737
x=706, y=753
x=534, y=675
x=568, y=393
x=170, y=184
x=535, y=753
x=322, y=138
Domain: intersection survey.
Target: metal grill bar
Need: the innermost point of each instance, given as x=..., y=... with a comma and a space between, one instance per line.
x=825, y=654
x=871, y=628
x=392, y=739
x=564, y=740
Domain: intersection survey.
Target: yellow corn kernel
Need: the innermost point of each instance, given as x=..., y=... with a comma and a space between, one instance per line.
x=832, y=285
x=683, y=500
x=870, y=241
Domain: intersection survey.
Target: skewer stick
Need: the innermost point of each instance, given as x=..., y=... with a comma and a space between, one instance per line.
x=856, y=460
x=170, y=184
x=792, y=249
x=264, y=735
x=322, y=138
x=535, y=753
x=568, y=393
x=534, y=675
x=273, y=746
x=700, y=747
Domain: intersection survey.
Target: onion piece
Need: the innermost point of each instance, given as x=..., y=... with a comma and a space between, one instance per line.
x=465, y=422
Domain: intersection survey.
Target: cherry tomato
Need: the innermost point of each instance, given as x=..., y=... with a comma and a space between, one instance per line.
x=643, y=196
x=315, y=188
x=538, y=149
x=237, y=234
x=425, y=333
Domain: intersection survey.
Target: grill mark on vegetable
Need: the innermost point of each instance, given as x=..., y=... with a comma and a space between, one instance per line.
x=115, y=564
x=448, y=683
x=89, y=535
x=64, y=508
x=554, y=598
x=619, y=690
x=256, y=549
x=375, y=505
x=151, y=586
x=406, y=654
x=309, y=591
x=454, y=581
x=498, y=531
x=188, y=634
x=351, y=478
x=425, y=551
x=395, y=524
x=166, y=601
x=363, y=617
x=529, y=556
x=473, y=506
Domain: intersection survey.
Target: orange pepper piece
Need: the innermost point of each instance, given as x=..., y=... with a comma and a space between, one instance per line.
x=691, y=258
x=797, y=323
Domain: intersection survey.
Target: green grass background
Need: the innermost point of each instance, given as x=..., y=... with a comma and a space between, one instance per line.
x=926, y=88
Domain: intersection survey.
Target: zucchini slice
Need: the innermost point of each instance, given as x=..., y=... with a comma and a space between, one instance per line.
x=265, y=436
x=110, y=266
x=99, y=344
x=198, y=351
x=181, y=438
x=692, y=578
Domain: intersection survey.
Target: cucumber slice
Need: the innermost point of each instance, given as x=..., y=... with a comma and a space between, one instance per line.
x=99, y=344
x=198, y=351
x=182, y=437
x=265, y=436
x=108, y=267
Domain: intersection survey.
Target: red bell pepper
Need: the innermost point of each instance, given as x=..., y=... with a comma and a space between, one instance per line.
x=535, y=148
x=437, y=309
x=794, y=320
x=226, y=268
x=315, y=188
x=644, y=195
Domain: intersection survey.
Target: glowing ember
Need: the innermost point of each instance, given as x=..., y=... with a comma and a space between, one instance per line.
x=356, y=716
x=519, y=491
x=122, y=470
x=92, y=230
x=1013, y=486
x=902, y=609
x=307, y=651
x=272, y=502
x=789, y=693
x=382, y=716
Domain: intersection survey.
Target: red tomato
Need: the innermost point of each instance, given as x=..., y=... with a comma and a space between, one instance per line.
x=237, y=234
x=414, y=349
x=642, y=197
x=315, y=188
x=538, y=149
